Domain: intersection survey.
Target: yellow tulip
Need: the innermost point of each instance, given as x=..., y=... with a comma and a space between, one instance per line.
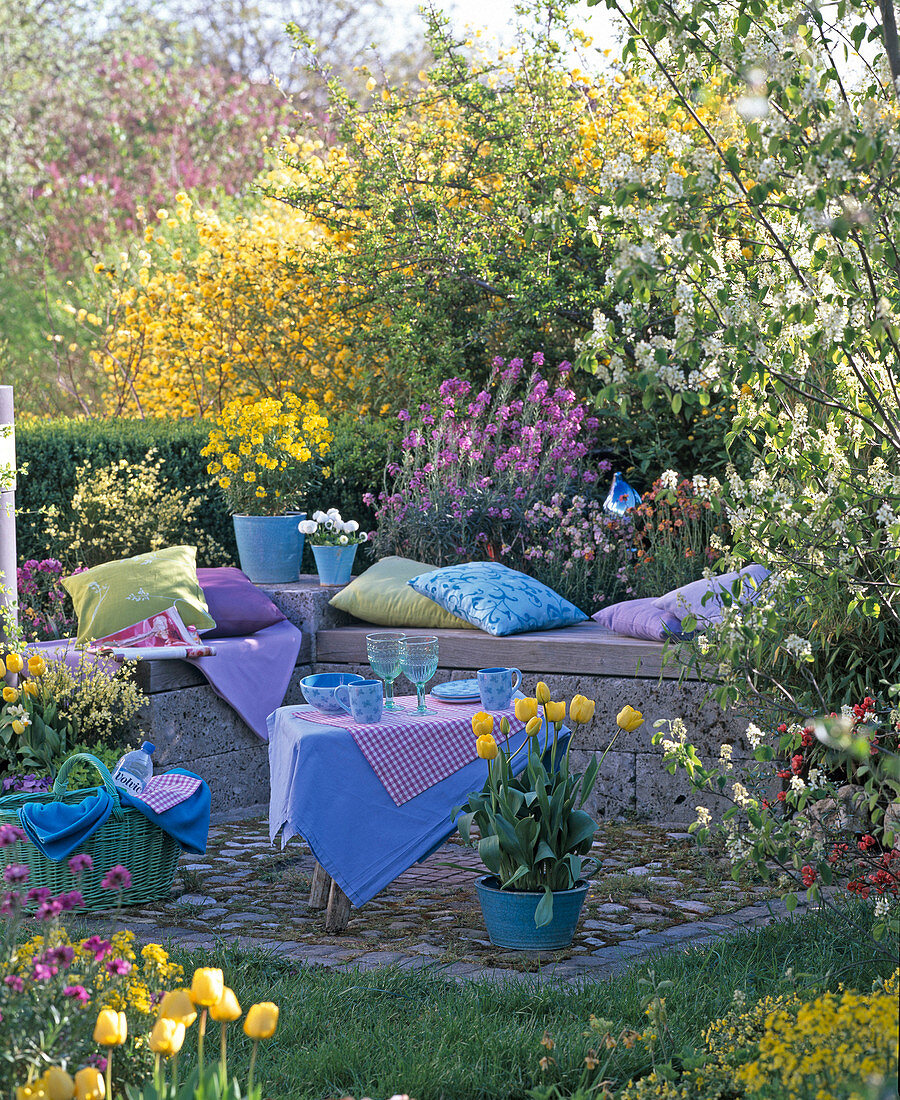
x=36, y=665
x=177, y=1005
x=486, y=747
x=226, y=1008
x=89, y=1084
x=14, y=662
x=581, y=710
x=482, y=724
x=556, y=712
x=34, y=1091
x=111, y=1028
x=261, y=1021
x=166, y=1036
x=207, y=986
x=58, y=1084
x=629, y=719
x=526, y=709
x=542, y=693
x=29, y=687
x=18, y=726
x=533, y=725
x=10, y=695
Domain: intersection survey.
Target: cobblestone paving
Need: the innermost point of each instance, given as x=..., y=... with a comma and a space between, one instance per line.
x=654, y=890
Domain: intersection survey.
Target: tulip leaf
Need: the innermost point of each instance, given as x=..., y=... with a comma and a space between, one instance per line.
x=489, y=851
x=581, y=827
x=544, y=912
x=588, y=779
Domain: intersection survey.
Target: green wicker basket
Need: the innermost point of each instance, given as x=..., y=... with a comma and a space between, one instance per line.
x=126, y=837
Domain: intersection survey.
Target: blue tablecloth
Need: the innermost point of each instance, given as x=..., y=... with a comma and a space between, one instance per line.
x=323, y=789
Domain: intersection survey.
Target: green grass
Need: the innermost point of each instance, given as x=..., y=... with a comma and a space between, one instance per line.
x=380, y=1032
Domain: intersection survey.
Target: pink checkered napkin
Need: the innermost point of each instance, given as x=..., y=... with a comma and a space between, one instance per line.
x=410, y=753
x=162, y=792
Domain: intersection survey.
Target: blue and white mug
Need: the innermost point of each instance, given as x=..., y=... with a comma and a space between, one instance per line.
x=364, y=701
x=496, y=686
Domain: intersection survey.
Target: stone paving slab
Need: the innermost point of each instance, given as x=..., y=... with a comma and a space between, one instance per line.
x=654, y=891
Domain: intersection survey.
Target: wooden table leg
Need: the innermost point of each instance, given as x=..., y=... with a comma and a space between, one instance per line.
x=338, y=913
x=321, y=885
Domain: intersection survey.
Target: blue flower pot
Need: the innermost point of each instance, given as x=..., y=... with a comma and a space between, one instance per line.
x=509, y=915
x=269, y=547
x=334, y=564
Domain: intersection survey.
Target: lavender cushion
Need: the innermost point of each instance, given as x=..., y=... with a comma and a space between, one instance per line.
x=236, y=604
x=689, y=599
x=639, y=619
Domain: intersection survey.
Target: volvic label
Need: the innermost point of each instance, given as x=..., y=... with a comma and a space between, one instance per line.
x=128, y=782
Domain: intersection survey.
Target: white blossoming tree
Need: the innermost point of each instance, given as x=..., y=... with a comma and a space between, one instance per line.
x=760, y=255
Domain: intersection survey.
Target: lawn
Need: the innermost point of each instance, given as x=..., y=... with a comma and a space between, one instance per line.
x=379, y=1032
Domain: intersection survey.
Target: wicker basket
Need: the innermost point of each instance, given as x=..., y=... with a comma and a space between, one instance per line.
x=126, y=837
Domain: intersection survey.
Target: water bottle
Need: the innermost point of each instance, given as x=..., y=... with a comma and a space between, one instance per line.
x=134, y=769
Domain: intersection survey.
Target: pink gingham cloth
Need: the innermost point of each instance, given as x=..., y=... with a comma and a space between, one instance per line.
x=411, y=753
x=162, y=792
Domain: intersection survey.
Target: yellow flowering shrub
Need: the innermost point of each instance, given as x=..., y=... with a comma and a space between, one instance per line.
x=213, y=306
x=265, y=454
x=838, y=1046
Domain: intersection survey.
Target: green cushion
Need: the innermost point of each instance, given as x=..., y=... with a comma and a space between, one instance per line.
x=382, y=596
x=117, y=594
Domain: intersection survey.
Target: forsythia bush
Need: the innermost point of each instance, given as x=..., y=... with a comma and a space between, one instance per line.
x=213, y=307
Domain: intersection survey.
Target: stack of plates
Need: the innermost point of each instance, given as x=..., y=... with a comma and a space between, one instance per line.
x=457, y=691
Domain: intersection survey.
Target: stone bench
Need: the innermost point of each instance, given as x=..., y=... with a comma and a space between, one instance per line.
x=193, y=728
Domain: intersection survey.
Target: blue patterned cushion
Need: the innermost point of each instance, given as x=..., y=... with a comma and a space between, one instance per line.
x=496, y=599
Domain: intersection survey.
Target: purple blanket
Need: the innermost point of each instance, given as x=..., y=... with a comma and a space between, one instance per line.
x=251, y=674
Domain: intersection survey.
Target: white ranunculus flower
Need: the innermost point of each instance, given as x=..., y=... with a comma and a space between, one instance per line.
x=334, y=514
x=351, y=526
x=363, y=537
x=343, y=540
x=319, y=517
x=307, y=527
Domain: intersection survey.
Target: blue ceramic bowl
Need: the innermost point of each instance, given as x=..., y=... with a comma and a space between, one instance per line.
x=318, y=690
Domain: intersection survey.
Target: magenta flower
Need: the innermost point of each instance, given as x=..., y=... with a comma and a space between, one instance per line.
x=14, y=982
x=74, y=899
x=118, y=966
x=116, y=878
x=38, y=893
x=97, y=947
x=60, y=956
x=16, y=873
x=80, y=862
x=43, y=973
x=49, y=910
x=77, y=992
x=9, y=834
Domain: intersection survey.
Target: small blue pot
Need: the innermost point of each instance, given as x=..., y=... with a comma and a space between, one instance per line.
x=509, y=915
x=334, y=564
x=269, y=547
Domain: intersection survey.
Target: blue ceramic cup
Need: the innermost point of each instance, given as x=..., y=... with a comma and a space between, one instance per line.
x=497, y=686
x=364, y=701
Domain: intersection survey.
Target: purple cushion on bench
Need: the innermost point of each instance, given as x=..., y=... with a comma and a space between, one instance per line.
x=639, y=619
x=689, y=599
x=236, y=604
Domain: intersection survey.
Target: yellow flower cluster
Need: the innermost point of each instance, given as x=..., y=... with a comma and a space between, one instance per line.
x=260, y=452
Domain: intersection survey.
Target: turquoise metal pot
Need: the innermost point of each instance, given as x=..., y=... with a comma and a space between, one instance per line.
x=509, y=915
x=334, y=564
x=269, y=547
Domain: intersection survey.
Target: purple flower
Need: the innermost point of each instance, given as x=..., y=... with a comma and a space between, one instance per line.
x=49, y=910
x=116, y=878
x=118, y=966
x=9, y=834
x=97, y=947
x=43, y=973
x=38, y=893
x=80, y=862
x=403, y=415
x=60, y=956
x=77, y=992
x=14, y=982
x=16, y=873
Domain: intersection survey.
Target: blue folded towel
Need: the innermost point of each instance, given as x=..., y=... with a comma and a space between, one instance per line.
x=188, y=822
x=58, y=828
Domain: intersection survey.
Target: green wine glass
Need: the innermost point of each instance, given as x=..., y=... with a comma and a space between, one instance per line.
x=383, y=651
x=419, y=661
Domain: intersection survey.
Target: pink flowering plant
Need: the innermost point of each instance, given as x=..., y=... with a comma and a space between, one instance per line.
x=47, y=980
x=474, y=464
x=45, y=610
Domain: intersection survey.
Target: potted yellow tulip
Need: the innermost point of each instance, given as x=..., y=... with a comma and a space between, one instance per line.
x=535, y=834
